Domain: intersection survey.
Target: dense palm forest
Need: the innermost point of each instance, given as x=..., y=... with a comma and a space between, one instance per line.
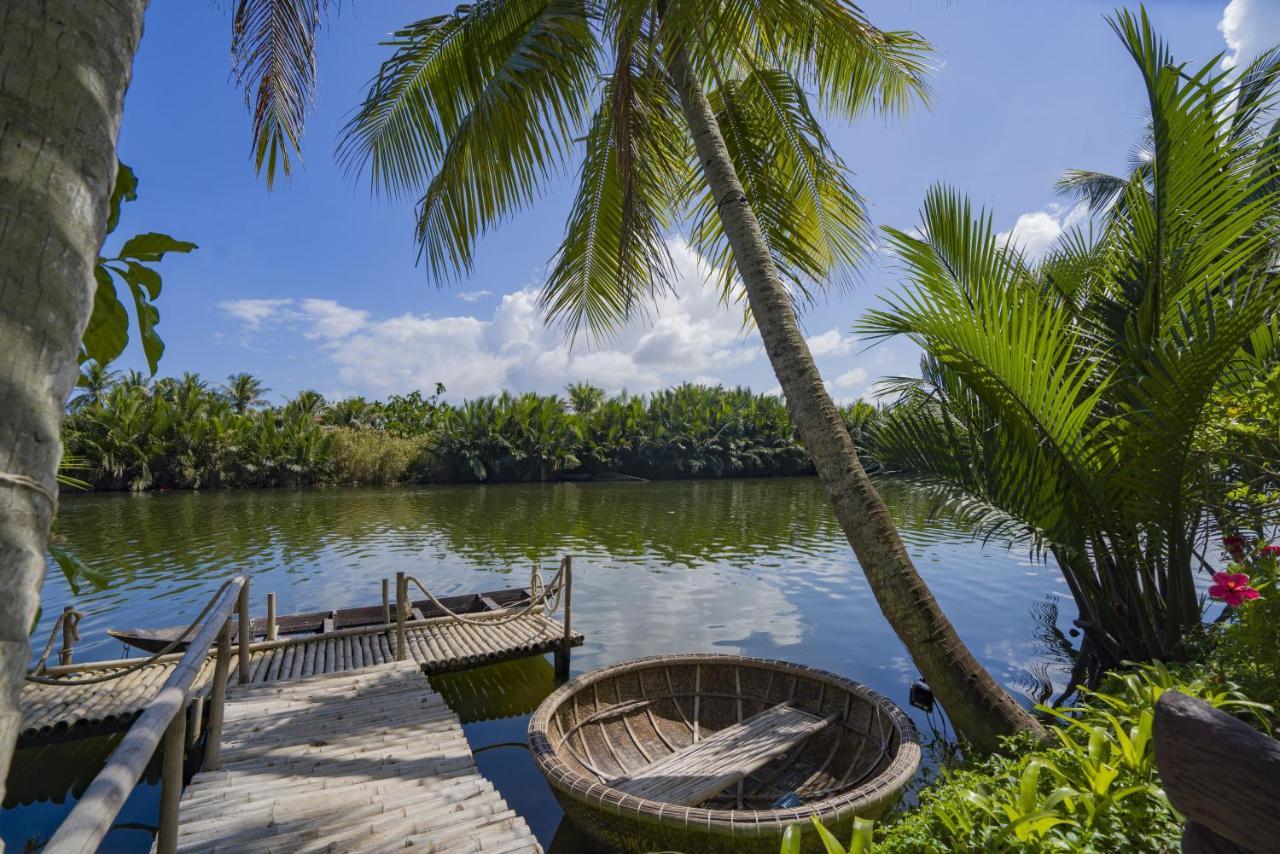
x=125, y=432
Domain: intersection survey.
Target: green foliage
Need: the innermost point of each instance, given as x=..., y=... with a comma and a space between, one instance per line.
x=1062, y=401
x=1240, y=448
x=476, y=109
x=108, y=331
x=179, y=433
x=1092, y=787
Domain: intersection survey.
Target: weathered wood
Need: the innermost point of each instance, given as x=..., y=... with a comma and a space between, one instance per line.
x=218, y=699
x=402, y=595
x=272, y=628
x=365, y=761
x=68, y=635
x=566, y=649
x=1219, y=772
x=386, y=599
x=246, y=632
x=195, y=720
x=175, y=743
x=708, y=767
x=89, y=821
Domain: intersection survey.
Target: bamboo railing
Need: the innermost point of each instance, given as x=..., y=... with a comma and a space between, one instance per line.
x=164, y=718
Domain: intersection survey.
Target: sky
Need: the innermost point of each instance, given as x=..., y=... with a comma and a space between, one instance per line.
x=314, y=285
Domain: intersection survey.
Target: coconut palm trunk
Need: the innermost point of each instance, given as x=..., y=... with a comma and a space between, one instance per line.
x=978, y=706
x=64, y=68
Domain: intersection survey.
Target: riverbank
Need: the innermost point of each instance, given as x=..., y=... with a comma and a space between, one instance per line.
x=133, y=435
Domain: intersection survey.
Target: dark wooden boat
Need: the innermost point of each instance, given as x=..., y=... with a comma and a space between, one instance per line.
x=319, y=622
x=716, y=753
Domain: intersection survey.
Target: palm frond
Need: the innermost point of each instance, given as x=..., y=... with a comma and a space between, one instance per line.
x=273, y=52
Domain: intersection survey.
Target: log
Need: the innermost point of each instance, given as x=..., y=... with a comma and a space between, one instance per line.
x=1219, y=772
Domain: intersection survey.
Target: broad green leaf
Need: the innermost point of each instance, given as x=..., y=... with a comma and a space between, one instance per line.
x=791, y=840
x=124, y=190
x=860, y=843
x=108, y=330
x=152, y=247
x=829, y=840
x=74, y=570
x=144, y=282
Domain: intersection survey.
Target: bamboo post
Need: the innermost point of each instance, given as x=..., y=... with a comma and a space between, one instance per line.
x=386, y=600
x=196, y=714
x=271, y=616
x=175, y=742
x=246, y=632
x=218, y=700
x=402, y=593
x=68, y=635
x=566, y=645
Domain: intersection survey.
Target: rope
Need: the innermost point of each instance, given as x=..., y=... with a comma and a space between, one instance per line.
x=538, y=595
x=36, y=677
x=31, y=484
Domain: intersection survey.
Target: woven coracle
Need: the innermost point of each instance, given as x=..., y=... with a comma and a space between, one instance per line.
x=597, y=731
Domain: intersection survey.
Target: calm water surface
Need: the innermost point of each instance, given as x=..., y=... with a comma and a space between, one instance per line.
x=756, y=567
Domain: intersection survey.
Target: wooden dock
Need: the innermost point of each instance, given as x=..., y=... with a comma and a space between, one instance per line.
x=363, y=760
x=56, y=713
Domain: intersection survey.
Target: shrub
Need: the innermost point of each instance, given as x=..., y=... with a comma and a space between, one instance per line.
x=377, y=457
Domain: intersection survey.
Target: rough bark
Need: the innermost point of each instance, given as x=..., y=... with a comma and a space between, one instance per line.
x=978, y=706
x=64, y=67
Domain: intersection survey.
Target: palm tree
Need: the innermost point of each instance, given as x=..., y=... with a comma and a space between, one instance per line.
x=684, y=108
x=1064, y=400
x=95, y=381
x=244, y=391
x=55, y=197
x=584, y=398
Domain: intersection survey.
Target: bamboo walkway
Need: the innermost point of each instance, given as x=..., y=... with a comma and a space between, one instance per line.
x=57, y=713
x=350, y=761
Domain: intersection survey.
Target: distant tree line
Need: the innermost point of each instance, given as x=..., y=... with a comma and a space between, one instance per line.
x=125, y=432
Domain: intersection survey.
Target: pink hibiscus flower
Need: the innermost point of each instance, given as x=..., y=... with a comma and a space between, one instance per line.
x=1271, y=551
x=1232, y=588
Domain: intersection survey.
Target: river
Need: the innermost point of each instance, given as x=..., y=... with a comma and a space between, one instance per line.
x=757, y=567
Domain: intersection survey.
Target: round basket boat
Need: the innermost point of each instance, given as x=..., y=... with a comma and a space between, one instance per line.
x=719, y=752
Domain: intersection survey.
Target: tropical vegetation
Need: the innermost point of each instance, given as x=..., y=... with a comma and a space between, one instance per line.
x=128, y=433
x=1076, y=401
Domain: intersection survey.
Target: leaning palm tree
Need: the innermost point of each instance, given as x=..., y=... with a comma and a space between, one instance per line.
x=697, y=110
x=1063, y=401
x=244, y=391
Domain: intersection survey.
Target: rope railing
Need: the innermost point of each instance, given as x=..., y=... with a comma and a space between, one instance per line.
x=36, y=674
x=164, y=718
x=540, y=595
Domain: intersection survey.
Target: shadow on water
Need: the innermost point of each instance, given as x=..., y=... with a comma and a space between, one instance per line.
x=756, y=567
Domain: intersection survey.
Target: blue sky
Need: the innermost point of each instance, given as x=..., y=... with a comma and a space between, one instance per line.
x=314, y=284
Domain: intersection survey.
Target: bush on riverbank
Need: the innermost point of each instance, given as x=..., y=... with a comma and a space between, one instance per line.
x=184, y=434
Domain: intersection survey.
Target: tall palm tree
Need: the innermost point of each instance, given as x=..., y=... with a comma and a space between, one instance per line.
x=685, y=108
x=1064, y=400
x=244, y=391
x=95, y=381
x=57, y=144
x=584, y=398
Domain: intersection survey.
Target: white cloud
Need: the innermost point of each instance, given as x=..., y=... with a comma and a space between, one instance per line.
x=473, y=296
x=253, y=312
x=1035, y=232
x=1248, y=27
x=850, y=379
x=830, y=343
x=689, y=333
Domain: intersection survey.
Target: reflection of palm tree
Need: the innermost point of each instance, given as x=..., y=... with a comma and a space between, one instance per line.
x=244, y=392
x=698, y=110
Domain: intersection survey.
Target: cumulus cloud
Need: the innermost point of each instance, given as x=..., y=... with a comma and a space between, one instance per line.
x=1248, y=27
x=851, y=379
x=473, y=296
x=689, y=333
x=253, y=312
x=1035, y=232
x=830, y=343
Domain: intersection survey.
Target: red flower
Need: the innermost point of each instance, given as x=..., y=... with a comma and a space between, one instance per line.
x=1232, y=588
x=1235, y=545
x=1271, y=551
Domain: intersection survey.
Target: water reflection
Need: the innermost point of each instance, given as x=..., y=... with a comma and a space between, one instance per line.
x=757, y=567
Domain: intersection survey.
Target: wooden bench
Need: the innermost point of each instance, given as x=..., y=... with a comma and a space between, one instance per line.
x=706, y=768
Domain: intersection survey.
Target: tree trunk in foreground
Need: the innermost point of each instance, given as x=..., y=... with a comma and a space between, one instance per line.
x=64, y=67
x=979, y=707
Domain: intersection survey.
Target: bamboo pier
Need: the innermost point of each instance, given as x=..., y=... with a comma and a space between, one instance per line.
x=361, y=760
x=55, y=713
